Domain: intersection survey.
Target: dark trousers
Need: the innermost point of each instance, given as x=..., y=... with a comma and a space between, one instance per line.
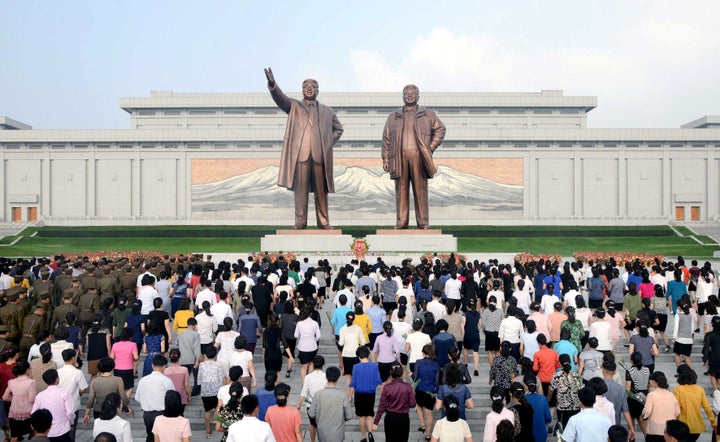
x=62, y=438
x=397, y=427
x=149, y=418
x=192, y=371
x=310, y=176
x=412, y=172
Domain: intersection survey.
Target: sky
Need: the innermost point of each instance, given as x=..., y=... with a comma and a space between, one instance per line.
x=652, y=64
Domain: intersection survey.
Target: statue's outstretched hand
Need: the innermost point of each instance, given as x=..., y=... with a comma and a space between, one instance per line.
x=270, y=77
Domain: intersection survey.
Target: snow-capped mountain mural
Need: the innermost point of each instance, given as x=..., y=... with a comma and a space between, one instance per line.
x=358, y=190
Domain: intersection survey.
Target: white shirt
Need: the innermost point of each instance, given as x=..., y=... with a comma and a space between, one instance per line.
x=249, y=283
x=220, y=311
x=437, y=309
x=314, y=382
x=570, y=298
x=547, y=302
x=205, y=295
x=401, y=330
x=452, y=288
x=499, y=297
x=146, y=296
x=601, y=331
x=206, y=326
x=417, y=341
x=57, y=348
x=151, y=389
x=407, y=293
x=224, y=393
x=72, y=380
x=511, y=329
x=523, y=300
x=250, y=429
x=117, y=426
x=530, y=344
x=140, y=277
x=348, y=293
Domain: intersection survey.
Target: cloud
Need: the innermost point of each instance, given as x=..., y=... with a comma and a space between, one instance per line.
x=630, y=69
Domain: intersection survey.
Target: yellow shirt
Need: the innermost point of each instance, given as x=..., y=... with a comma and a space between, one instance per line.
x=691, y=398
x=363, y=321
x=181, y=318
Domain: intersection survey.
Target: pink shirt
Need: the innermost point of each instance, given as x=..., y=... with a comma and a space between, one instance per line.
x=179, y=376
x=122, y=352
x=21, y=395
x=60, y=404
x=283, y=421
x=171, y=428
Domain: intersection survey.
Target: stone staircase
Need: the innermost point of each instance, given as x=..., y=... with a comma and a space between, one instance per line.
x=475, y=417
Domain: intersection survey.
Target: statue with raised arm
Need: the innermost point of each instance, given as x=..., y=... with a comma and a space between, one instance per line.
x=306, y=161
x=411, y=135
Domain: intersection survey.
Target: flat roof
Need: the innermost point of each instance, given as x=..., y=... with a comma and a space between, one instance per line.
x=703, y=122
x=545, y=98
x=7, y=123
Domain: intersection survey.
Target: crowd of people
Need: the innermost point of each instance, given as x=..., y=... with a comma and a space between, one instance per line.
x=408, y=334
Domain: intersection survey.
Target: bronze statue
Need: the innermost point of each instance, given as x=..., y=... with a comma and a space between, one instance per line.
x=411, y=135
x=306, y=161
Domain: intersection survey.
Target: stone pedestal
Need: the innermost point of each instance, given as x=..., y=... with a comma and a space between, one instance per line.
x=307, y=241
x=407, y=240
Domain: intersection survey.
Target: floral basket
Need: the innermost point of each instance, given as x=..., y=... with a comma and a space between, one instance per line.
x=647, y=259
x=444, y=257
x=360, y=248
x=525, y=258
x=273, y=257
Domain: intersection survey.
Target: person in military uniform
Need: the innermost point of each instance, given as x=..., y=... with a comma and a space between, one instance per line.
x=11, y=316
x=31, y=326
x=108, y=286
x=58, y=316
x=4, y=343
x=75, y=287
x=88, y=279
x=43, y=284
x=128, y=283
x=63, y=281
x=24, y=302
x=88, y=306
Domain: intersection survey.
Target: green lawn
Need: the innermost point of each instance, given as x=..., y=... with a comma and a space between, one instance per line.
x=562, y=240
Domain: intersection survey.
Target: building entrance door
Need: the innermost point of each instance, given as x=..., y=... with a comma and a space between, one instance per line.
x=32, y=214
x=679, y=213
x=17, y=214
x=695, y=213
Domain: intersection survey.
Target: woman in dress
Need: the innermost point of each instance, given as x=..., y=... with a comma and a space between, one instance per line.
x=566, y=383
x=161, y=319
x=206, y=327
x=490, y=324
x=504, y=369
x=644, y=344
x=97, y=344
x=577, y=331
x=39, y=365
x=288, y=321
x=125, y=354
x=154, y=345
x=225, y=342
x=180, y=288
x=181, y=315
x=541, y=408
x=20, y=394
x=119, y=316
x=600, y=329
x=524, y=410
x=307, y=333
x=471, y=336
x=243, y=358
x=386, y=351
x=275, y=345
x=103, y=385
x=711, y=352
x=171, y=426
x=616, y=321
x=136, y=322
x=211, y=376
x=636, y=382
x=425, y=377
x=660, y=407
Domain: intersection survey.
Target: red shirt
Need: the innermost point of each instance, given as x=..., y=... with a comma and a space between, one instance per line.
x=396, y=397
x=5, y=375
x=546, y=362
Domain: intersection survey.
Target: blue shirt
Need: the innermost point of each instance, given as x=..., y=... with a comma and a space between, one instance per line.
x=365, y=377
x=538, y=283
x=675, y=291
x=555, y=281
x=377, y=317
x=587, y=426
x=541, y=416
x=568, y=348
x=427, y=373
x=442, y=342
x=266, y=399
x=338, y=319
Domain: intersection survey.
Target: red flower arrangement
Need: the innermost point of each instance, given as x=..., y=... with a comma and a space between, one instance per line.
x=620, y=258
x=272, y=257
x=525, y=258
